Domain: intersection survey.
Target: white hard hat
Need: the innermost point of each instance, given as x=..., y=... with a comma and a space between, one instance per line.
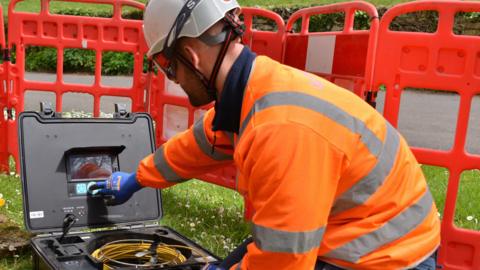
x=160, y=15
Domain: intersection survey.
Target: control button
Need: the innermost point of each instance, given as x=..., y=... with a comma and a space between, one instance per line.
x=81, y=189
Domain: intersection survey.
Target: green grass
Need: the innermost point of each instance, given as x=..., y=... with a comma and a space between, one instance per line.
x=55, y=6
x=467, y=212
x=11, y=189
x=210, y=215
x=21, y=262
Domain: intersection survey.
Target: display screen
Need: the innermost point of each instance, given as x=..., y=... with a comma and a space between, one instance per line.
x=90, y=167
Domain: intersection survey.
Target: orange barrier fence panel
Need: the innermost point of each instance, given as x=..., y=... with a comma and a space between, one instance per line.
x=343, y=56
x=269, y=43
x=440, y=60
x=94, y=36
x=4, y=106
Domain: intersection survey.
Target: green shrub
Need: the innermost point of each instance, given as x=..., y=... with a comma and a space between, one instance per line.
x=117, y=63
x=78, y=60
x=41, y=59
x=84, y=12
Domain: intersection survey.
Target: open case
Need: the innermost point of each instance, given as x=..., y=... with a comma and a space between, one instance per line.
x=59, y=157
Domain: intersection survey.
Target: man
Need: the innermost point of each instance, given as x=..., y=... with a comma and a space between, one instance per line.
x=332, y=184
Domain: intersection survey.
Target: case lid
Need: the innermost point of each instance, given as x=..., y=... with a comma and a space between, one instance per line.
x=60, y=156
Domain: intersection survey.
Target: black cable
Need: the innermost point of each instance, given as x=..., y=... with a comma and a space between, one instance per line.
x=68, y=221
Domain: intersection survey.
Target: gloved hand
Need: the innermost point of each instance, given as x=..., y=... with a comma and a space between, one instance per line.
x=117, y=189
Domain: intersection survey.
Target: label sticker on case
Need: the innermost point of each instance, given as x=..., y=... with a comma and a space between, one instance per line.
x=36, y=214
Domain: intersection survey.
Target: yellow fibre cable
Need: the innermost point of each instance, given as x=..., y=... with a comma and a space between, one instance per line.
x=122, y=252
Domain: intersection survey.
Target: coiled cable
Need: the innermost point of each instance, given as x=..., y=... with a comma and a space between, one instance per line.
x=138, y=253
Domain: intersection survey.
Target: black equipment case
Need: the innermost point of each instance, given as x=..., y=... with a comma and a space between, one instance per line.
x=56, y=156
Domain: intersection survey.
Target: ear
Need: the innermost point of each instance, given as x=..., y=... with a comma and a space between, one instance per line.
x=192, y=55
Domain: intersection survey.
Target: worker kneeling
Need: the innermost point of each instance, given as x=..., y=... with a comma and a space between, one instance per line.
x=332, y=184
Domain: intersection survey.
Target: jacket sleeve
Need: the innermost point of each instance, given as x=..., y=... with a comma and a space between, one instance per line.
x=187, y=155
x=292, y=174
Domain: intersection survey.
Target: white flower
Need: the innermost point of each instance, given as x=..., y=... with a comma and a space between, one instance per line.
x=192, y=224
x=470, y=218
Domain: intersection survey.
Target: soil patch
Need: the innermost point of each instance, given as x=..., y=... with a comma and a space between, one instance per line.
x=13, y=239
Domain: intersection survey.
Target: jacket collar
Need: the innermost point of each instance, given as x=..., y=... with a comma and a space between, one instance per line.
x=228, y=107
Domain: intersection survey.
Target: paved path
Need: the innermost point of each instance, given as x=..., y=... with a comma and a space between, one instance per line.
x=76, y=101
x=429, y=120
x=426, y=119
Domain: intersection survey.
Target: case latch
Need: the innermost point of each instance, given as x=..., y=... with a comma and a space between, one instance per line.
x=46, y=110
x=121, y=111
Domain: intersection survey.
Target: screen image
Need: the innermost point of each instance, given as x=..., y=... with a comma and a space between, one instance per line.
x=90, y=167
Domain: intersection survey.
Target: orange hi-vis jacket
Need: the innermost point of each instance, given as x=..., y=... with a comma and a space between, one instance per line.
x=328, y=177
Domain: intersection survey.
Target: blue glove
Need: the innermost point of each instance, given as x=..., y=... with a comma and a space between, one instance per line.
x=212, y=267
x=117, y=189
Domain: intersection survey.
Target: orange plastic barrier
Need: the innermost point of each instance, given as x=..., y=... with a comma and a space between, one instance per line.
x=4, y=106
x=64, y=32
x=438, y=61
x=344, y=56
x=269, y=43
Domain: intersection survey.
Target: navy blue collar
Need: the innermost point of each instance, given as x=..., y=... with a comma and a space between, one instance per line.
x=229, y=106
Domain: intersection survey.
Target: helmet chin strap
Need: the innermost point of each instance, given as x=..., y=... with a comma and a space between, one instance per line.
x=230, y=32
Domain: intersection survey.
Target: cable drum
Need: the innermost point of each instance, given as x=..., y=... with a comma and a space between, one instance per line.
x=140, y=251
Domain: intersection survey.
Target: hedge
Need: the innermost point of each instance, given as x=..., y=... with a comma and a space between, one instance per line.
x=42, y=59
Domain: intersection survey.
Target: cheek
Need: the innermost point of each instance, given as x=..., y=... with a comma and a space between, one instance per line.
x=180, y=72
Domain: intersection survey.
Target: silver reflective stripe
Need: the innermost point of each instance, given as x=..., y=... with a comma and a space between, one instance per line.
x=359, y=193
x=394, y=229
x=323, y=107
x=164, y=168
x=205, y=145
x=268, y=239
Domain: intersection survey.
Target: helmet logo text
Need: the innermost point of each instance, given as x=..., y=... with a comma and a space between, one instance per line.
x=191, y=4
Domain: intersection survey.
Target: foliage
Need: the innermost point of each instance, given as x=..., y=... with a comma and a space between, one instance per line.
x=41, y=59
x=85, y=12
x=117, y=63
x=78, y=60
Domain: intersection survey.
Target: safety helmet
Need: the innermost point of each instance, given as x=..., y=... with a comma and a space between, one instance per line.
x=161, y=15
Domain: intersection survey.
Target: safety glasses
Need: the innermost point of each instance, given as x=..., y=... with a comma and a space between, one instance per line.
x=165, y=60
x=167, y=66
